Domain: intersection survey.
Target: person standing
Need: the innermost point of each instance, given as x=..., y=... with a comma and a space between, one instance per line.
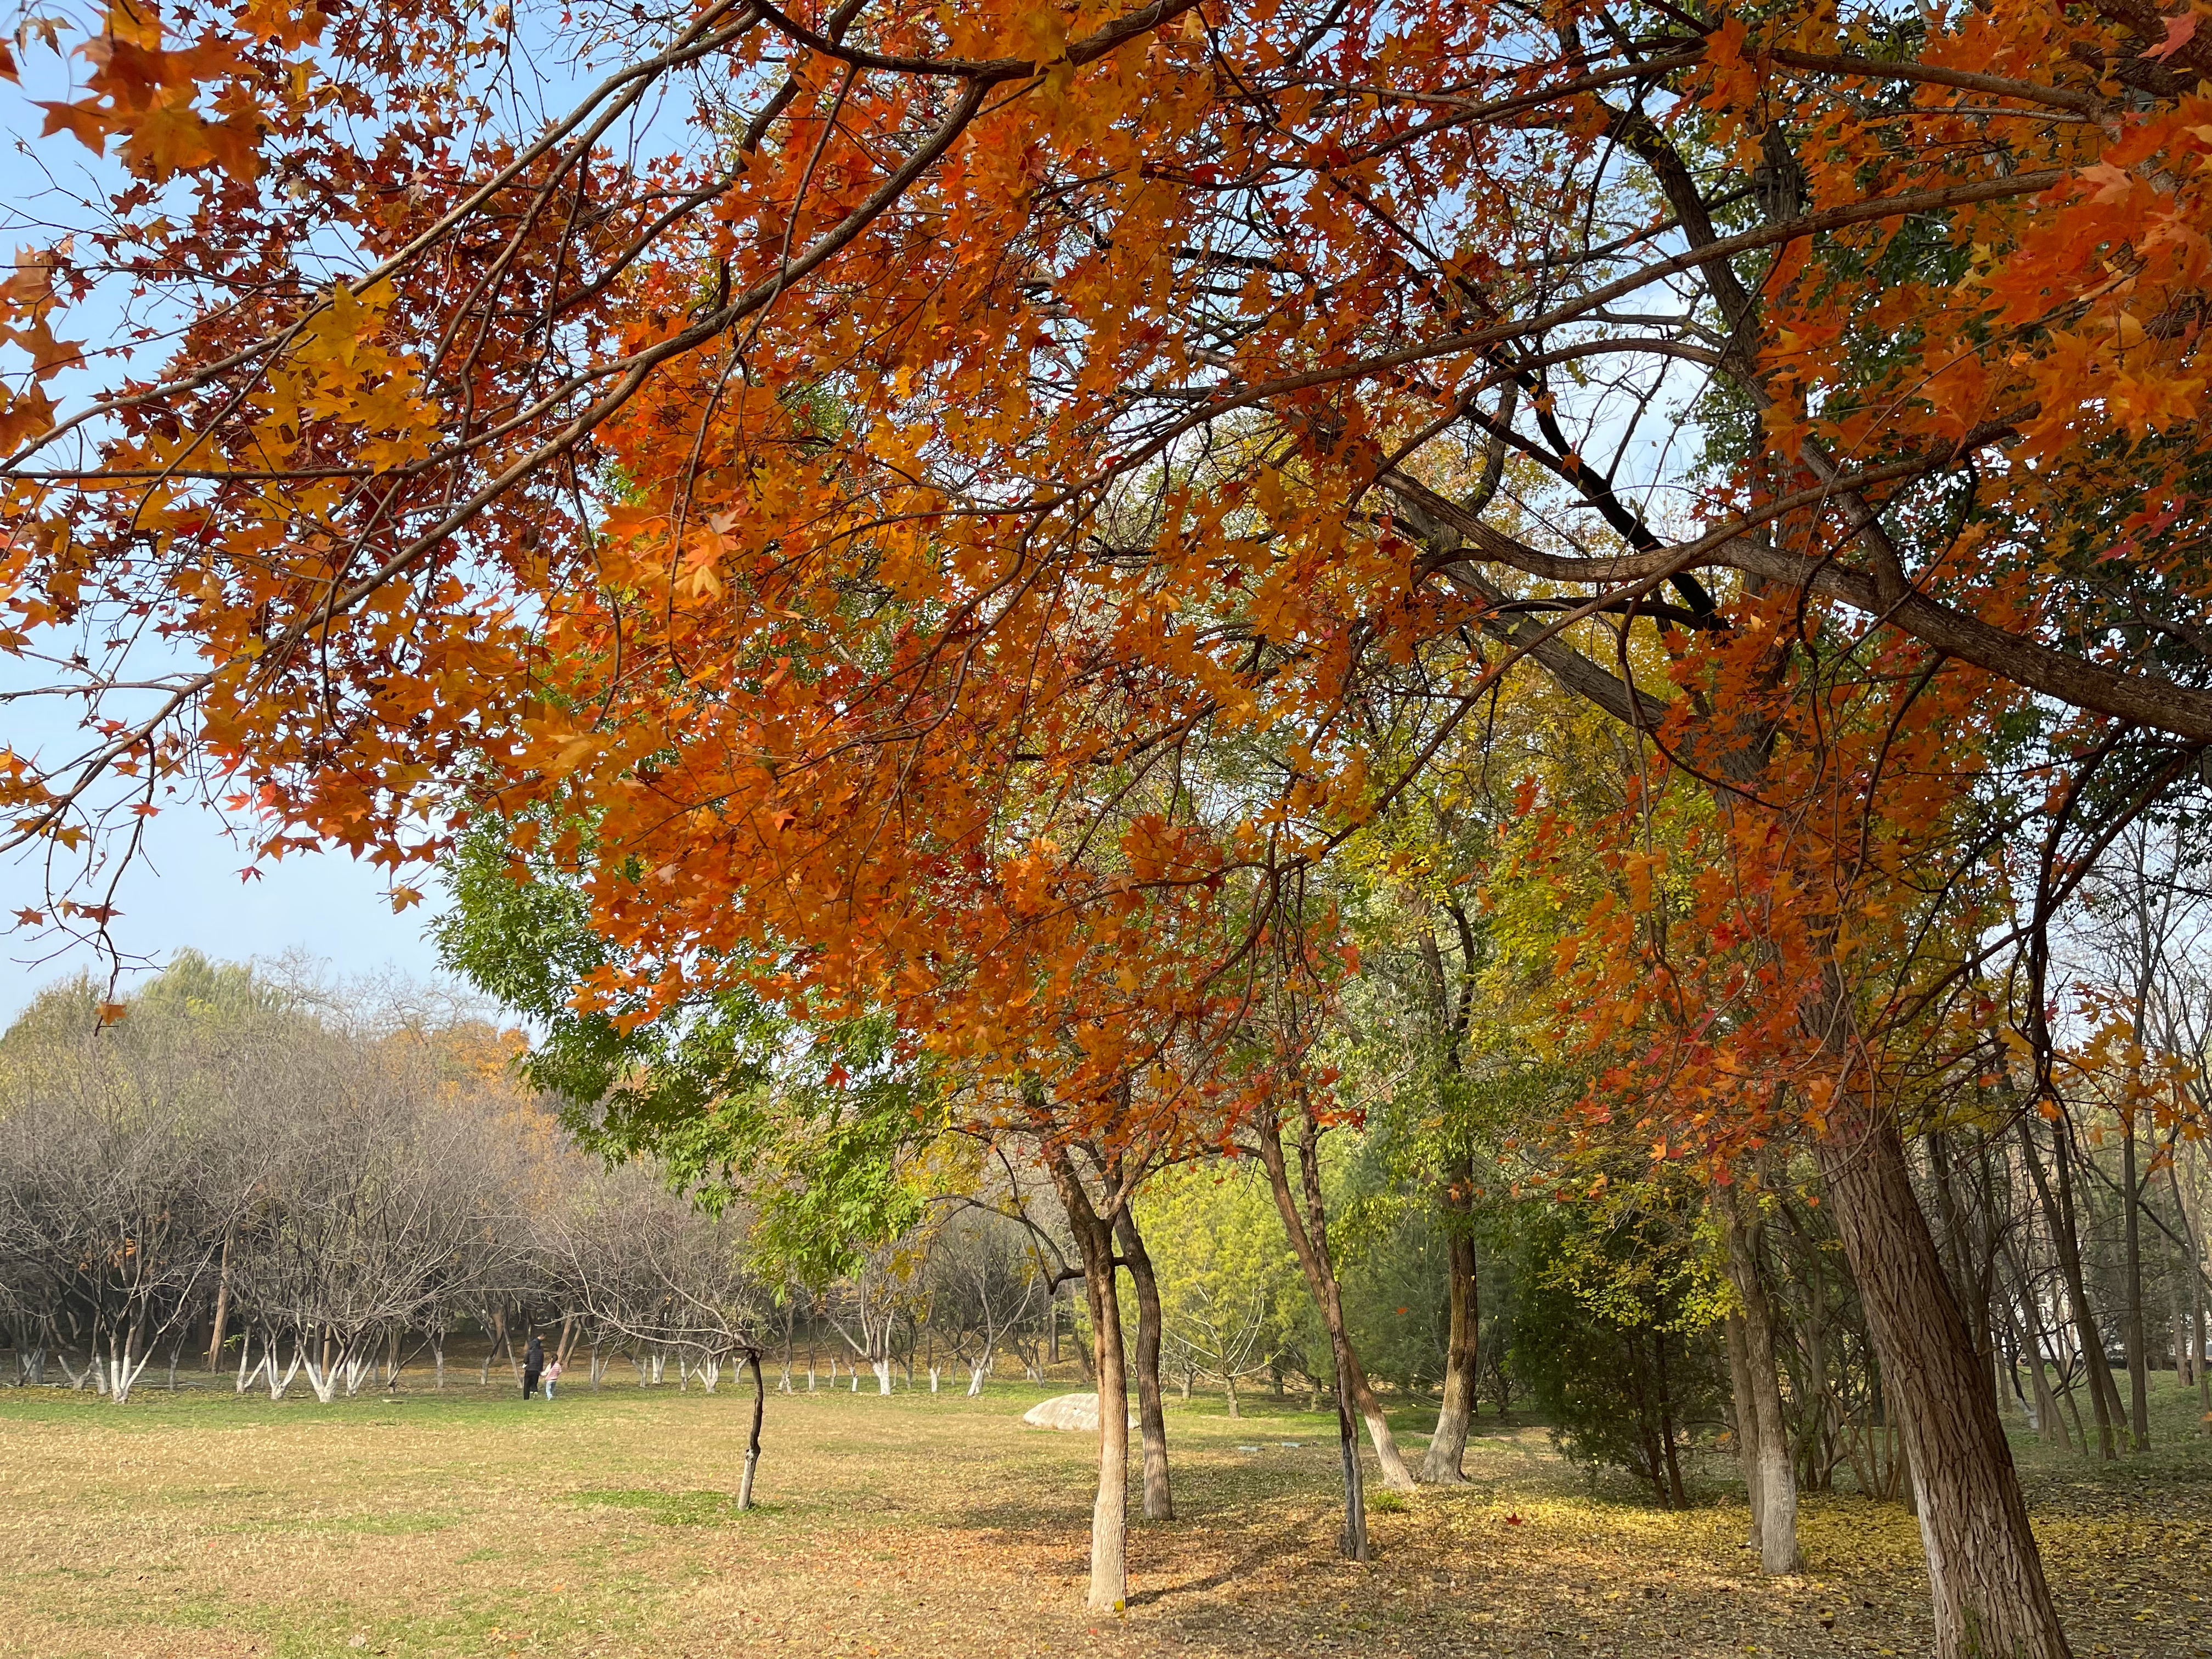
x=552, y=1376
x=533, y=1365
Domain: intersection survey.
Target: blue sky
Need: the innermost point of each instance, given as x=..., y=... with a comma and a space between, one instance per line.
x=185, y=891
x=187, y=894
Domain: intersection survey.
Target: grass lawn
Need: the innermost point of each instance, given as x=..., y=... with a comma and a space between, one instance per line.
x=200, y=1525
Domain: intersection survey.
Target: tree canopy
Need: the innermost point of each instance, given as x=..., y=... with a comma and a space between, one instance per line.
x=961, y=516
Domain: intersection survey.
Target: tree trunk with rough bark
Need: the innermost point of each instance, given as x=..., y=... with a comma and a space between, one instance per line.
x=1985, y=1575
x=1351, y=1542
x=1462, y=1347
x=1152, y=1423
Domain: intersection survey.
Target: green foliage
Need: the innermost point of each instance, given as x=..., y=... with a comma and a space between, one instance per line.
x=1231, y=1296
x=1617, y=1298
x=810, y=1122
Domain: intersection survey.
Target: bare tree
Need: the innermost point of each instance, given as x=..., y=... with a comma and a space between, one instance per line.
x=982, y=1283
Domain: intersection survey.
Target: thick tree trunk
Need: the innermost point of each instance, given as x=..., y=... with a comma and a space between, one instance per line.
x=1462, y=1345
x=1985, y=1575
x=1777, y=1477
x=1109, y=1513
x=1307, y=1226
x=1159, y=1493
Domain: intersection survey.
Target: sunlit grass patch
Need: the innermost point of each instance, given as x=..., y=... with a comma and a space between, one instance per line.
x=668, y=1509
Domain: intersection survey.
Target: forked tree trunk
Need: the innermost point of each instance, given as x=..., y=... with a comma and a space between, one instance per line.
x=1462, y=1346
x=1159, y=1494
x=1109, y=1513
x=1985, y=1577
x=1307, y=1226
x=1777, y=1475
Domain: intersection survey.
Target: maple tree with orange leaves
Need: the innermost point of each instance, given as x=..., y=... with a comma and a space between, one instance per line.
x=942, y=493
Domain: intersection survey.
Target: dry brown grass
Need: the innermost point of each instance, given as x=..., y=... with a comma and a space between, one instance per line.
x=199, y=1527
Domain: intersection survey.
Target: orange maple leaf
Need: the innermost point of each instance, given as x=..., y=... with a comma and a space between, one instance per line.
x=2180, y=32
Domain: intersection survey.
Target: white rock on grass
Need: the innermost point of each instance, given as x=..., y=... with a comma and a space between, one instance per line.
x=1076, y=1412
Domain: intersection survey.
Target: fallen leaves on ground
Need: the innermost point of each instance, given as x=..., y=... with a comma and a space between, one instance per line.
x=205, y=1527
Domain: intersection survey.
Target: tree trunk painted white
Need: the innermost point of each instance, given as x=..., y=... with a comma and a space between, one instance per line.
x=1746, y=1428
x=1158, y=1490
x=356, y=1368
x=1777, y=1477
x=128, y=1365
x=322, y=1377
x=1109, y=1512
x=977, y=1373
x=279, y=1386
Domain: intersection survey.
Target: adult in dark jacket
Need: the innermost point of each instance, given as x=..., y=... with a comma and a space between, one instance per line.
x=533, y=1362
